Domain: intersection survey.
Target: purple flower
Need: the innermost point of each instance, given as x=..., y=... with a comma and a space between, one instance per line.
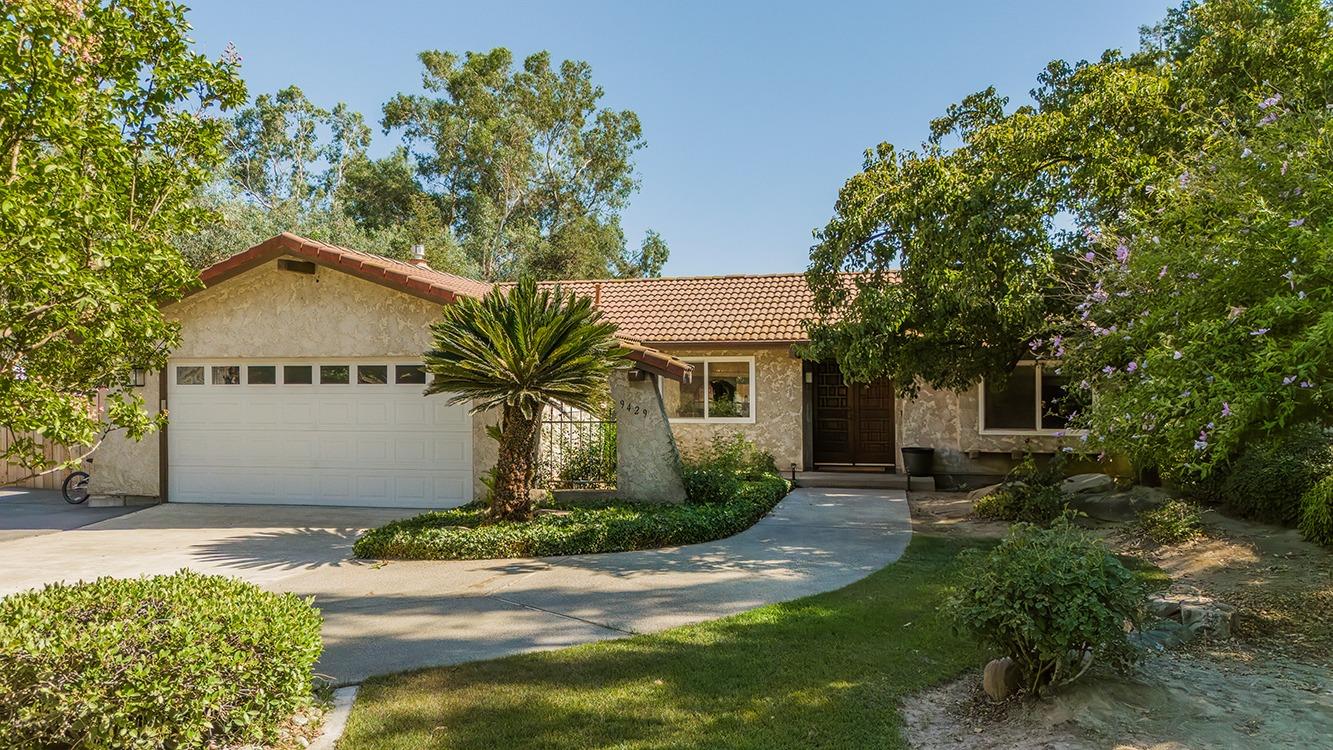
x=1306, y=384
x=1284, y=167
x=1289, y=380
x=1226, y=409
x=1201, y=442
x=1162, y=273
x=1269, y=118
x=1295, y=223
x=1108, y=370
x=1132, y=367
x=1191, y=275
x=1184, y=179
x=1259, y=331
x=1122, y=253
x=1270, y=101
x=1246, y=152
x=1176, y=354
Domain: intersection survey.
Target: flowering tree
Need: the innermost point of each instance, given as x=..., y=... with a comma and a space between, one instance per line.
x=1209, y=318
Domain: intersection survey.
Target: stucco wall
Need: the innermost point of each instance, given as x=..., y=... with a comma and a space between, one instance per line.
x=122, y=466
x=647, y=459
x=777, y=404
x=267, y=312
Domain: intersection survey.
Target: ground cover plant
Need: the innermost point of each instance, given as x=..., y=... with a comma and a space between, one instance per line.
x=1317, y=513
x=1268, y=479
x=1030, y=494
x=570, y=529
x=1176, y=521
x=823, y=671
x=176, y=661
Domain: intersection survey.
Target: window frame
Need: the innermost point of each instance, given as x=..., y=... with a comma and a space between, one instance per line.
x=1038, y=368
x=701, y=370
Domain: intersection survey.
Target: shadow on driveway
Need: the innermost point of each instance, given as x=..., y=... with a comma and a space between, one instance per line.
x=25, y=513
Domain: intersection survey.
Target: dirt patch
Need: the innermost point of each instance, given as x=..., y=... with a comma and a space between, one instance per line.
x=1271, y=686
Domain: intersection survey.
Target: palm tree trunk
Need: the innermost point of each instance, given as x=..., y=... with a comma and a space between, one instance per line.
x=510, y=498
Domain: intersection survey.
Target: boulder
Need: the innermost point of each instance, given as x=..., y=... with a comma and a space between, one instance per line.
x=1118, y=505
x=1209, y=618
x=1000, y=678
x=1081, y=483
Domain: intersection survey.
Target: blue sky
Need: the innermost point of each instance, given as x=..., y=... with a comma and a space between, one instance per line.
x=754, y=112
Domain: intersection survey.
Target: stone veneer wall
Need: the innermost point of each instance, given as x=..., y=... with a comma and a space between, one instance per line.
x=777, y=403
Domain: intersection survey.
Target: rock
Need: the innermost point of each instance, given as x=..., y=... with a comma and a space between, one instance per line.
x=979, y=493
x=1208, y=618
x=1080, y=483
x=1163, y=635
x=1163, y=605
x=1118, y=505
x=1000, y=678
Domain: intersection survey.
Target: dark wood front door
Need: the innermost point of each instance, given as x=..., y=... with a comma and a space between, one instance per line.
x=853, y=422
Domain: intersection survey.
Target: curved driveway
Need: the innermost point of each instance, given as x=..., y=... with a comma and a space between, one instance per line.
x=391, y=616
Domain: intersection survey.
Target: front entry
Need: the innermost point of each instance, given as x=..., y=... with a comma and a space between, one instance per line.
x=853, y=422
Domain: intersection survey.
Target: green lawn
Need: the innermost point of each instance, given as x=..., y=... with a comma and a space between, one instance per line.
x=826, y=671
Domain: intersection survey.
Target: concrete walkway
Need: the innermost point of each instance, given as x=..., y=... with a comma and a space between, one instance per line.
x=25, y=512
x=387, y=617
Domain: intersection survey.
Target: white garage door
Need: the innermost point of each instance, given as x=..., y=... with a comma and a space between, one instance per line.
x=314, y=432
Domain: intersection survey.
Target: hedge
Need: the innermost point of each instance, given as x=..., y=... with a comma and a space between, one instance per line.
x=460, y=534
x=175, y=661
x=1270, y=476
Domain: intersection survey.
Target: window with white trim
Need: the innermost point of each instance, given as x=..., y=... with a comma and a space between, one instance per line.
x=1033, y=399
x=722, y=390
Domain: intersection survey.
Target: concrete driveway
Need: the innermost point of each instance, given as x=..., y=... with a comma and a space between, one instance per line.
x=387, y=617
x=25, y=512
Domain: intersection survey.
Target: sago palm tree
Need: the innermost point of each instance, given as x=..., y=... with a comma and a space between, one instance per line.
x=518, y=351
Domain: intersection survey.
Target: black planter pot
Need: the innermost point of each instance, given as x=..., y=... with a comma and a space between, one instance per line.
x=919, y=462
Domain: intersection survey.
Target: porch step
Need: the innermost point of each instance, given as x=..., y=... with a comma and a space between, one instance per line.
x=863, y=480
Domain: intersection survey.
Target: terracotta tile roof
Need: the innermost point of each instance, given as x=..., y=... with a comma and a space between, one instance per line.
x=704, y=309
x=419, y=280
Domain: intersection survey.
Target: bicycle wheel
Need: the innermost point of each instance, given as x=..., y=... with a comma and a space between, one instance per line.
x=75, y=487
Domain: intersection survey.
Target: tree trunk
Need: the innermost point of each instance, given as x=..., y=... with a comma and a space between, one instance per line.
x=510, y=499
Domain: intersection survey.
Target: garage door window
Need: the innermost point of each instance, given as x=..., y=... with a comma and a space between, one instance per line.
x=372, y=374
x=408, y=374
x=261, y=374
x=297, y=375
x=189, y=376
x=334, y=374
x=226, y=375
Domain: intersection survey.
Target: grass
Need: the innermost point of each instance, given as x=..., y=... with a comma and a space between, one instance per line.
x=463, y=534
x=827, y=671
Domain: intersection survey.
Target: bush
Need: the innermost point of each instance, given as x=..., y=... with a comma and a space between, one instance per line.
x=183, y=660
x=1029, y=494
x=716, y=473
x=462, y=534
x=1317, y=513
x=1270, y=476
x=1176, y=521
x=1053, y=600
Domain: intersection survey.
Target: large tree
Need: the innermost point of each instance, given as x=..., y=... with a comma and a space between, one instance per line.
x=518, y=350
x=524, y=166
x=105, y=133
x=986, y=222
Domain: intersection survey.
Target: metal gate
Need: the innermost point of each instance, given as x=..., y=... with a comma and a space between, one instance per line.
x=576, y=450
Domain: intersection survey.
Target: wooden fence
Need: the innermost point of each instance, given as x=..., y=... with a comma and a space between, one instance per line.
x=50, y=481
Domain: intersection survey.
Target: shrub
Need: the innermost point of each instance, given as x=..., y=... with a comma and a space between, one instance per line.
x=183, y=660
x=716, y=473
x=463, y=534
x=1317, y=513
x=1022, y=503
x=1176, y=521
x=1270, y=476
x=1053, y=600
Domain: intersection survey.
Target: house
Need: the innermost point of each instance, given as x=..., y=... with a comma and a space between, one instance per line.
x=298, y=379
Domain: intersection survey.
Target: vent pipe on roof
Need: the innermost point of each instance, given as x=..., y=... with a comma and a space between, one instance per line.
x=597, y=295
x=418, y=256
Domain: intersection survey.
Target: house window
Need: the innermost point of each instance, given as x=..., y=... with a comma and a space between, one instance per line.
x=1034, y=398
x=407, y=374
x=192, y=375
x=261, y=374
x=226, y=375
x=334, y=374
x=722, y=390
x=372, y=374
x=297, y=374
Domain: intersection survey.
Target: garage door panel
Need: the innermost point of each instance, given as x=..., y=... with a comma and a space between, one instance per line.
x=354, y=444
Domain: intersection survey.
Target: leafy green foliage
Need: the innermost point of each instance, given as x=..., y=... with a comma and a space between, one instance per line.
x=718, y=471
x=1030, y=493
x=519, y=350
x=578, y=457
x=1268, y=479
x=105, y=132
x=1175, y=522
x=1317, y=513
x=184, y=660
x=524, y=166
x=1053, y=600
x=974, y=221
x=463, y=534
